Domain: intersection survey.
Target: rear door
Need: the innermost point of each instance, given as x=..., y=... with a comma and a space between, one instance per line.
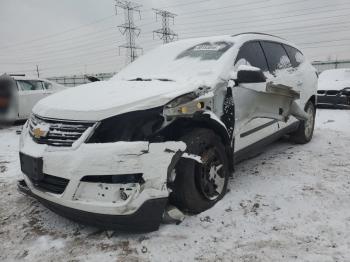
x=301, y=78
x=284, y=70
x=249, y=130
x=30, y=92
x=305, y=73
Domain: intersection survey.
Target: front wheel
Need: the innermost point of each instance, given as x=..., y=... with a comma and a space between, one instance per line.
x=199, y=184
x=305, y=130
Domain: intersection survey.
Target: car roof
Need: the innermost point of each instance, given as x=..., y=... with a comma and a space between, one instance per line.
x=239, y=38
x=26, y=78
x=257, y=33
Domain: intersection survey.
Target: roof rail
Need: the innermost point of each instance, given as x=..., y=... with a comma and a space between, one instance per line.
x=17, y=74
x=256, y=33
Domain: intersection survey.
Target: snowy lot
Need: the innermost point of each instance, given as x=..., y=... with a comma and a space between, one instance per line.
x=291, y=203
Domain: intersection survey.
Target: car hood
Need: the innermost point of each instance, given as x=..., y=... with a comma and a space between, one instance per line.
x=100, y=100
x=333, y=85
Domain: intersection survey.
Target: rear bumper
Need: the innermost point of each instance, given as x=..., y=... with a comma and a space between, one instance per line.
x=145, y=219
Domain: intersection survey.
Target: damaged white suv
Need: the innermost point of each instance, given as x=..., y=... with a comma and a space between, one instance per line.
x=165, y=130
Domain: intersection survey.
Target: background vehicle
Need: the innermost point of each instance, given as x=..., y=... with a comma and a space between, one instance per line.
x=334, y=88
x=166, y=132
x=19, y=94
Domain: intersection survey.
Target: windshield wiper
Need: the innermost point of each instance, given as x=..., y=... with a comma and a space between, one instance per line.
x=165, y=79
x=151, y=79
x=141, y=79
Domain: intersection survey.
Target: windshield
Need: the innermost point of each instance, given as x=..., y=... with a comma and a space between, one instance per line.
x=178, y=60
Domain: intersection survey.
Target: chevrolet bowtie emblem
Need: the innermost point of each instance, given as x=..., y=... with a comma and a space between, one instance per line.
x=38, y=132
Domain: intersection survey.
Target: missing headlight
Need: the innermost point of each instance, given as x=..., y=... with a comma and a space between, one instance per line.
x=132, y=126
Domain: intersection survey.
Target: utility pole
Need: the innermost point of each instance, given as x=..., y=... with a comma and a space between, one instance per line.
x=37, y=71
x=165, y=33
x=128, y=28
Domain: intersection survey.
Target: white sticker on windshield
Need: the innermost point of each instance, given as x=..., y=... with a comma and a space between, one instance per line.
x=208, y=47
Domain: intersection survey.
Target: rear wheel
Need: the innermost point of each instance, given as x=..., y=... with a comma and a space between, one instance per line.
x=306, y=127
x=199, y=184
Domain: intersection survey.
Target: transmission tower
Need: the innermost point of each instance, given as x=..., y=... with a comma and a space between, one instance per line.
x=128, y=28
x=165, y=33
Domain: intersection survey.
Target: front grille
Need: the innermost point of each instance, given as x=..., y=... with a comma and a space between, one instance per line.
x=332, y=92
x=58, y=132
x=51, y=184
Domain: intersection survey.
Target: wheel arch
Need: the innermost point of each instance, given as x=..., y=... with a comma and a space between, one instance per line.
x=313, y=99
x=183, y=125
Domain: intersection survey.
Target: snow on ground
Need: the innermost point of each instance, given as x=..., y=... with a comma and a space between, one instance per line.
x=291, y=203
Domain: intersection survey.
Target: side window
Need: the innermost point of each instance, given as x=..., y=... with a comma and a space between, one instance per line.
x=296, y=57
x=277, y=57
x=30, y=85
x=48, y=85
x=251, y=54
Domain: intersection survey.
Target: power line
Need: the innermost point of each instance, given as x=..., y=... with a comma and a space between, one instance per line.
x=165, y=33
x=229, y=29
x=185, y=4
x=83, y=38
x=239, y=25
x=236, y=10
x=221, y=13
x=128, y=28
x=252, y=20
x=58, y=33
x=272, y=18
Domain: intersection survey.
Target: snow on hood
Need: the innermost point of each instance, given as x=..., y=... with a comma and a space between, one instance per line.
x=189, y=64
x=334, y=79
x=100, y=100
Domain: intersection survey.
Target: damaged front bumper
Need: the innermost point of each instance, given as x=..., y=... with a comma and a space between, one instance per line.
x=121, y=185
x=145, y=219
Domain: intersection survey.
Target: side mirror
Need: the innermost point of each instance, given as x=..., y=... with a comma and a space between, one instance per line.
x=250, y=74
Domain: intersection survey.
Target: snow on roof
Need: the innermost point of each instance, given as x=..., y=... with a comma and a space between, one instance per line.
x=189, y=59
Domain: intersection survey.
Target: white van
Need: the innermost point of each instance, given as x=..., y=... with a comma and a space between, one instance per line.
x=19, y=94
x=167, y=129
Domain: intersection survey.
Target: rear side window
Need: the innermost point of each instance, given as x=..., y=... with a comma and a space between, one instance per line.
x=30, y=85
x=251, y=54
x=277, y=57
x=296, y=57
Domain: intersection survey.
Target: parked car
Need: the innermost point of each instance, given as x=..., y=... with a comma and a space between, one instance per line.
x=166, y=129
x=334, y=88
x=19, y=94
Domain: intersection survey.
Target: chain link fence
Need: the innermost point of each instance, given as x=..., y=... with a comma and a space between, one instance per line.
x=76, y=80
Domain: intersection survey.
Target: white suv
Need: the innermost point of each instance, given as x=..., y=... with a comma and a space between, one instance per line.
x=166, y=129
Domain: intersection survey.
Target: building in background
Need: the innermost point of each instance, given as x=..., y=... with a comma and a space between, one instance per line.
x=325, y=65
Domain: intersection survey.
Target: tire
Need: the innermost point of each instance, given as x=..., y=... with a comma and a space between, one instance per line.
x=305, y=130
x=198, y=186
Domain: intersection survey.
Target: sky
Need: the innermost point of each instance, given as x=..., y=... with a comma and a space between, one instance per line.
x=69, y=37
